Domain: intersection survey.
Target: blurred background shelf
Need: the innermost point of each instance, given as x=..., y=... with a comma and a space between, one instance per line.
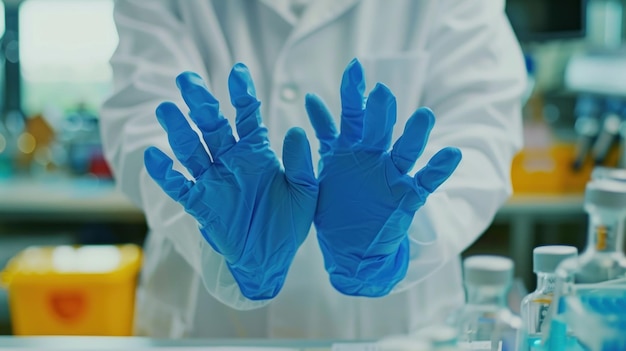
x=72, y=200
x=62, y=211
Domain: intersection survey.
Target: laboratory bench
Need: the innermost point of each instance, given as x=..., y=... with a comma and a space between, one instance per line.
x=82, y=200
x=46, y=204
x=138, y=343
x=65, y=201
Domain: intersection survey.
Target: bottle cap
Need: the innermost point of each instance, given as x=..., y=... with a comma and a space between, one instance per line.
x=606, y=193
x=547, y=258
x=608, y=173
x=488, y=270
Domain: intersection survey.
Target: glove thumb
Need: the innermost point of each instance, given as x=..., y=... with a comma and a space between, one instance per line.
x=297, y=161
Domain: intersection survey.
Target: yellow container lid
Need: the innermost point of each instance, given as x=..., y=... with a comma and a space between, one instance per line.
x=72, y=264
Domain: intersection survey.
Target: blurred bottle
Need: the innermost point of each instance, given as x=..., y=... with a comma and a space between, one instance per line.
x=604, y=23
x=81, y=137
x=609, y=173
x=601, y=267
x=485, y=322
x=603, y=258
x=597, y=319
x=535, y=306
x=11, y=127
x=6, y=153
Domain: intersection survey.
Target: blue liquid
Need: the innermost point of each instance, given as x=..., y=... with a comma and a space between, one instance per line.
x=534, y=344
x=571, y=344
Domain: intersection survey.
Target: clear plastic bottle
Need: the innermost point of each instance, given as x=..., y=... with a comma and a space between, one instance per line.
x=602, y=265
x=603, y=258
x=609, y=173
x=535, y=306
x=485, y=322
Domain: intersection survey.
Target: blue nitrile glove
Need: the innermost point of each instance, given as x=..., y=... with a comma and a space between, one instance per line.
x=250, y=210
x=367, y=201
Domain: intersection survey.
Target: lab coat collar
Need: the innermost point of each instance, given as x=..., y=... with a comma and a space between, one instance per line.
x=316, y=15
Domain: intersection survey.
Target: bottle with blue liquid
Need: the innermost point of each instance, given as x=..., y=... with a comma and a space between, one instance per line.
x=486, y=322
x=590, y=289
x=597, y=317
x=535, y=306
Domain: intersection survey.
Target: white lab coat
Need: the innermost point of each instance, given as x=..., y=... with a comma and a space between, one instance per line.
x=459, y=57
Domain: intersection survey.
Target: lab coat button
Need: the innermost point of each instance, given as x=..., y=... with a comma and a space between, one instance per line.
x=289, y=92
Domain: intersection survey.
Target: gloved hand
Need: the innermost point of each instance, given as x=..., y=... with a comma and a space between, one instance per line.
x=250, y=210
x=367, y=201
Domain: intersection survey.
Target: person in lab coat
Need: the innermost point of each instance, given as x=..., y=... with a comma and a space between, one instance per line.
x=458, y=57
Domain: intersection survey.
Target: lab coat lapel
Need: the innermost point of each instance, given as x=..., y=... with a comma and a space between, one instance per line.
x=318, y=14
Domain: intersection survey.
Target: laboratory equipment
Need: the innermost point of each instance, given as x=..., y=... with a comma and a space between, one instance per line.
x=587, y=127
x=79, y=136
x=590, y=317
x=609, y=129
x=65, y=290
x=250, y=210
x=609, y=173
x=485, y=322
x=603, y=258
x=600, y=268
x=598, y=72
x=621, y=162
x=535, y=306
x=604, y=23
x=7, y=152
x=599, y=76
x=364, y=235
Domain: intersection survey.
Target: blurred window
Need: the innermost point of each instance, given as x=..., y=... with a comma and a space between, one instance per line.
x=65, y=46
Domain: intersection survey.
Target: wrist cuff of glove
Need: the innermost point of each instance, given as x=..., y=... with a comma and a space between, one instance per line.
x=372, y=277
x=258, y=283
x=258, y=278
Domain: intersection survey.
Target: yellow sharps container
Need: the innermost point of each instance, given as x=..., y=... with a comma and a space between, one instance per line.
x=65, y=290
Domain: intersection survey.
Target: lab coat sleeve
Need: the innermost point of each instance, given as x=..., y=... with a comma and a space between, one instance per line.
x=474, y=84
x=153, y=49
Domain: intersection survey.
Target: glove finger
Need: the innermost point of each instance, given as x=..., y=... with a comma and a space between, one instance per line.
x=438, y=169
x=409, y=147
x=297, y=160
x=205, y=113
x=352, y=90
x=380, y=117
x=322, y=122
x=243, y=97
x=184, y=140
x=159, y=167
